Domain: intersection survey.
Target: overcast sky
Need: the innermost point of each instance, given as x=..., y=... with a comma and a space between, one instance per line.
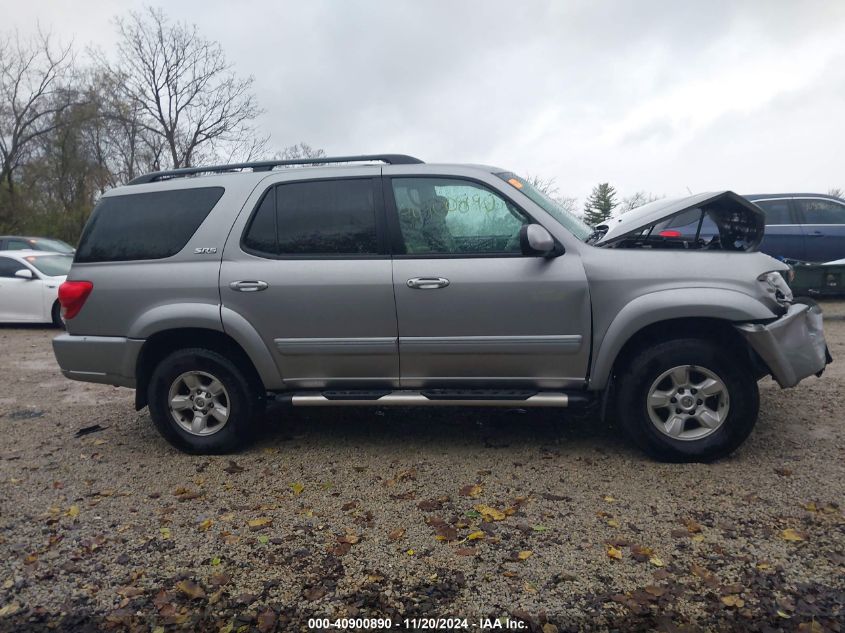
x=660, y=96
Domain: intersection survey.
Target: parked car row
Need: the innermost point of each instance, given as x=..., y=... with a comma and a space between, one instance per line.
x=23, y=243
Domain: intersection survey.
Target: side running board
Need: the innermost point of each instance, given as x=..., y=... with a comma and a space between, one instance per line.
x=436, y=398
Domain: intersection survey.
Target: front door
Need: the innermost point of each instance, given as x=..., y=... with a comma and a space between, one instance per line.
x=20, y=299
x=311, y=272
x=473, y=311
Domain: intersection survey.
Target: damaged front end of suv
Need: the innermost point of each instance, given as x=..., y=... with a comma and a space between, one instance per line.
x=790, y=343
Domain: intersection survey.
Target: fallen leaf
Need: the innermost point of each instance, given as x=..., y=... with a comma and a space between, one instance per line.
x=263, y=539
x=613, y=523
x=165, y=532
x=472, y=491
x=297, y=488
x=656, y=561
x=614, y=553
x=655, y=590
x=190, y=589
x=783, y=614
x=410, y=552
x=489, y=513
x=466, y=551
x=266, y=621
x=539, y=528
x=792, y=535
x=259, y=523
x=783, y=472
x=692, y=526
x=396, y=534
x=608, y=498
x=233, y=468
x=349, y=538
x=527, y=553
x=9, y=609
x=476, y=535
x=205, y=525
x=733, y=601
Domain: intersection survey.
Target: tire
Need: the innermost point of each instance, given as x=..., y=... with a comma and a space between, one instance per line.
x=730, y=414
x=219, y=385
x=56, y=316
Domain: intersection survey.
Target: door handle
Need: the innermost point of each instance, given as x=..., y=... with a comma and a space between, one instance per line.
x=249, y=286
x=815, y=234
x=427, y=283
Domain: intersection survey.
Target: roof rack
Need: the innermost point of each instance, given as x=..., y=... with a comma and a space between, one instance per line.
x=267, y=165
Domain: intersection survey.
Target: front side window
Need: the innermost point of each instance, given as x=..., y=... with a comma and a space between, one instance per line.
x=324, y=217
x=821, y=211
x=444, y=216
x=18, y=245
x=8, y=267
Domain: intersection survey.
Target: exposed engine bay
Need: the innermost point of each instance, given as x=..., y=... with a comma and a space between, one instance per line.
x=720, y=221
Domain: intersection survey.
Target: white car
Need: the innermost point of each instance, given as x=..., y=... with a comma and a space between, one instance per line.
x=29, y=286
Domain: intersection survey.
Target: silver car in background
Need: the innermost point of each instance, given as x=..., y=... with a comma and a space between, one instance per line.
x=385, y=281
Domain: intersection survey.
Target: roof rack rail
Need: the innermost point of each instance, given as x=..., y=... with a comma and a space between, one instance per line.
x=267, y=165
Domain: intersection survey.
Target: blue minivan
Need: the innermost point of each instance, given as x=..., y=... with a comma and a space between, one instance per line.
x=809, y=227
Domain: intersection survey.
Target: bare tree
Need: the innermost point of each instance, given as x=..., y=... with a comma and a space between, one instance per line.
x=638, y=199
x=184, y=90
x=549, y=187
x=836, y=192
x=32, y=95
x=299, y=151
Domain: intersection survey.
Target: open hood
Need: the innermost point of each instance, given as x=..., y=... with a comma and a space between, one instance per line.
x=720, y=220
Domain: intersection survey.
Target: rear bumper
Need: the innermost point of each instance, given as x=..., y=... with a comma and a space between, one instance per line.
x=104, y=359
x=793, y=347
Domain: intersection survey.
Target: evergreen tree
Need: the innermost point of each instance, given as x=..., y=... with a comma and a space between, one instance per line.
x=600, y=205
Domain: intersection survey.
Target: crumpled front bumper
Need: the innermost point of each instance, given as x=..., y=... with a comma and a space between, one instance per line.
x=793, y=346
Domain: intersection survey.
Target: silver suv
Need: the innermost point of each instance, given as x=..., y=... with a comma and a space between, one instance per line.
x=385, y=281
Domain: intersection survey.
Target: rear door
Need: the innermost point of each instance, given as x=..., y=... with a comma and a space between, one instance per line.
x=784, y=237
x=307, y=265
x=823, y=223
x=473, y=311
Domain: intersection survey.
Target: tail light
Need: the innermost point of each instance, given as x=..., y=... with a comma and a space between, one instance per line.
x=72, y=296
x=669, y=233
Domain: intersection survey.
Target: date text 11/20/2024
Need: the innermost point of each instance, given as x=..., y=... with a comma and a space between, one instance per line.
x=417, y=624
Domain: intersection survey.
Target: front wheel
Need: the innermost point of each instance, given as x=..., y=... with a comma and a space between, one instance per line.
x=202, y=402
x=687, y=400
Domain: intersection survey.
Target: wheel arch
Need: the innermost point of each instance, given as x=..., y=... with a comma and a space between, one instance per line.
x=696, y=312
x=164, y=342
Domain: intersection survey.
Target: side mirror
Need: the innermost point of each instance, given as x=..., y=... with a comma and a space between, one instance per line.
x=535, y=240
x=25, y=273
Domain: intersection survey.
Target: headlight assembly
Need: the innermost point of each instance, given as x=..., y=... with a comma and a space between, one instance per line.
x=776, y=285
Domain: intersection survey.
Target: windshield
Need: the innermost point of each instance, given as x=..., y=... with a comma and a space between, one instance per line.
x=51, y=265
x=570, y=222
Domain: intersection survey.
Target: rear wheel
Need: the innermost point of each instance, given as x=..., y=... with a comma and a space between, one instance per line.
x=56, y=315
x=687, y=400
x=202, y=402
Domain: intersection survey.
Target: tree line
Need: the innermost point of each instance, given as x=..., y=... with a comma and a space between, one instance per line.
x=71, y=128
x=74, y=125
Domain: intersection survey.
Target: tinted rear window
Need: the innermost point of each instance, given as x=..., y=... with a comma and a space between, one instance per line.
x=145, y=225
x=328, y=217
x=777, y=211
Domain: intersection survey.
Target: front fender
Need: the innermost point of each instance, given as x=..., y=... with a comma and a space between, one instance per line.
x=665, y=305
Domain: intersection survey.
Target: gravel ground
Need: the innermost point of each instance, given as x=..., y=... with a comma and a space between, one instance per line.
x=554, y=522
